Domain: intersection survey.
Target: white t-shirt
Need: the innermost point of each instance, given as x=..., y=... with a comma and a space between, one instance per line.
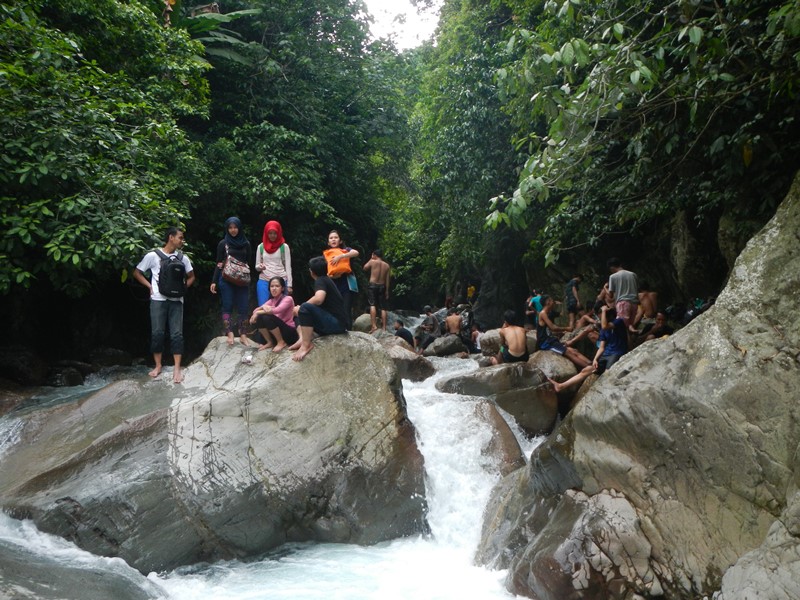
x=625, y=286
x=277, y=264
x=152, y=262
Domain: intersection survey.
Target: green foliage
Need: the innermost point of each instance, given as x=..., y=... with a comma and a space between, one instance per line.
x=309, y=129
x=631, y=111
x=463, y=151
x=93, y=160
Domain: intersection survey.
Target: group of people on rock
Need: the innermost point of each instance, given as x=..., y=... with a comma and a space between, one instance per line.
x=276, y=317
x=624, y=314
x=458, y=321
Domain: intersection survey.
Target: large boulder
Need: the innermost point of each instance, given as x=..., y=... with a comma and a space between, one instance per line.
x=410, y=365
x=518, y=389
x=502, y=446
x=363, y=323
x=446, y=345
x=490, y=342
x=553, y=365
x=28, y=574
x=22, y=365
x=252, y=451
x=677, y=474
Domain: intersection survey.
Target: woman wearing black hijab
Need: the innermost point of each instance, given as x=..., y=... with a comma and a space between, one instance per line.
x=233, y=292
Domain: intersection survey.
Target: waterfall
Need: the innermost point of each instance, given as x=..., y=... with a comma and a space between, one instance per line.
x=459, y=479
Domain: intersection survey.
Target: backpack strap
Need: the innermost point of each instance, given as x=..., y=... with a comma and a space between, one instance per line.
x=283, y=258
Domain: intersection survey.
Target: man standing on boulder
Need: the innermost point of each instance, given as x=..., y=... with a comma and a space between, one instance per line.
x=623, y=290
x=166, y=311
x=324, y=313
x=378, y=290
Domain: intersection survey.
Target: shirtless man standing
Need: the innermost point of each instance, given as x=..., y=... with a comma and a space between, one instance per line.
x=513, y=341
x=378, y=290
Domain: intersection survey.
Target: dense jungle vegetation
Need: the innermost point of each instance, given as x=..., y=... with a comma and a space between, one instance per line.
x=528, y=133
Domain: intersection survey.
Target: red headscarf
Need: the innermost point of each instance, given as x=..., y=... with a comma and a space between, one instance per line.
x=269, y=246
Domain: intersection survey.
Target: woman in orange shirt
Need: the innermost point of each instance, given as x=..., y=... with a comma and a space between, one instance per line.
x=338, y=258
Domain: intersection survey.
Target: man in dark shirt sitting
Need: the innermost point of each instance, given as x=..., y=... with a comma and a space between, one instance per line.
x=323, y=313
x=402, y=332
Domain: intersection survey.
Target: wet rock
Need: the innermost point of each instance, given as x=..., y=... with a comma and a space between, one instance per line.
x=22, y=365
x=240, y=458
x=108, y=357
x=676, y=474
x=363, y=323
x=64, y=377
x=446, y=345
x=553, y=365
x=503, y=446
x=517, y=388
x=410, y=365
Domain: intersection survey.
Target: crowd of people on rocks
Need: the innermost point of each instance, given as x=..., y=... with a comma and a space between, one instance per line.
x=280, y=322
x=623, y=314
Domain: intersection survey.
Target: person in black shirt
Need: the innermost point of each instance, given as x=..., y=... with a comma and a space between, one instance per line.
x=233, y=294
x=323, y=313
x=402, y=332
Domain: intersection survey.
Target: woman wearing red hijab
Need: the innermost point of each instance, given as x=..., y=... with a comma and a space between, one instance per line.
x=273, y=259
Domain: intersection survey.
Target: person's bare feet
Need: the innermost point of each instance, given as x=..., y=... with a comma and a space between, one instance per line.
x=556, y=386
x=244, y=339
x=302, y=352
x=264, y=347
x=155, y=372
x=295, y=346
x=230, y=339
x=279, y=347
x=177, y=375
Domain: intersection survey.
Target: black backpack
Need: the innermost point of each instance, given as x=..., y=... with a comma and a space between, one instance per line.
x=172, y=276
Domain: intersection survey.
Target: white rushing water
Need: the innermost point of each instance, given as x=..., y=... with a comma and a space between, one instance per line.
x=459, y=479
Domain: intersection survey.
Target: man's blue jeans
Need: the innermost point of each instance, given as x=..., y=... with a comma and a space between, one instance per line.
x=165, y=313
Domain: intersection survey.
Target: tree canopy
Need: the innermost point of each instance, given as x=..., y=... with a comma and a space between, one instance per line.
x=94, y=161
x=631, y=110
x=528, y=127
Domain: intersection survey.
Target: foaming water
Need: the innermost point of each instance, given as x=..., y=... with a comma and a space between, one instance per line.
x=459, y=480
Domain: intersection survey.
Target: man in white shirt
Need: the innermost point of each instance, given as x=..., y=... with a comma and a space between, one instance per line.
x=165, y=313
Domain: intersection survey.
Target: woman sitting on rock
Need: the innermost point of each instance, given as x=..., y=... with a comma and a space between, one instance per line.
x=275, y=318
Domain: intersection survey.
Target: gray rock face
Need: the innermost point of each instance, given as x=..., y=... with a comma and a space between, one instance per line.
x=237, y=460
x=503, y=445
x=446, y=345
x=27, y=575
x=676, y=475
x=553, y=365
x=490, y=342
x=410, y=365
x=517, y=388
x=363, y=323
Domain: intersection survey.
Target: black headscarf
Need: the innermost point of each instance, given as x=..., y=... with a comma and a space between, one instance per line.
x=235, y=242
